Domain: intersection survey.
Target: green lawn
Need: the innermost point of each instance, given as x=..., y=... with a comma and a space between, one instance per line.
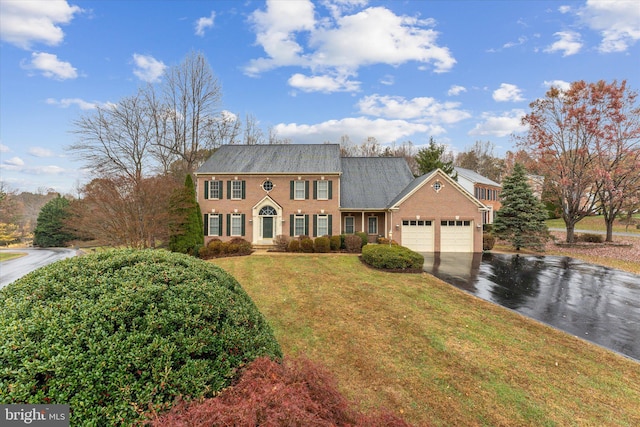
x=596, y=223
x=5, y=256
x=431, y=353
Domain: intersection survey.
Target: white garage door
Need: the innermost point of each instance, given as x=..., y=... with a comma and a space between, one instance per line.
x=456, y=236
x=417, y=235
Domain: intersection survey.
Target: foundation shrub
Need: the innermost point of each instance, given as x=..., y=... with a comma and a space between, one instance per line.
x=363, y=237
x=342, y=241
x=385, y=241
x=590, y=238
x=281, y=242
x=353, y=243
x=488, y=241
x=322, y=244
x=120, y=332
x=217, y=248
x=296, y=392
x=294, y=245
x=392, y=257
x=335, y=243
x=306, y=244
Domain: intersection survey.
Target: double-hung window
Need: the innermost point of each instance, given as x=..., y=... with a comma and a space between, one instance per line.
x=215, y=225
x=299, y=190
x=215, y=189
x=322, y=190
x=299, y=225
x=349, y=225
x=373, y=225
x=236, y=190
x=236, y=225
x=322, y=225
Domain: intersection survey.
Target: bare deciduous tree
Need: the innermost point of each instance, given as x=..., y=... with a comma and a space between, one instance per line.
x=193, y=95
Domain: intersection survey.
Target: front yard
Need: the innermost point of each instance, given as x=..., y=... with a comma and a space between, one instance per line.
x=431, y=353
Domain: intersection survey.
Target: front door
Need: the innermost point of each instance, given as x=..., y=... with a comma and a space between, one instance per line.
x=267, y=227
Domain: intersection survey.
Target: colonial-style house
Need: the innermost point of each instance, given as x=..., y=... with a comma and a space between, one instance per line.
x=484, y=189
x=261, y=191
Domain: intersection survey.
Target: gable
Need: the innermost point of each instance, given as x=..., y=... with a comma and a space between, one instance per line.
x=453, y=191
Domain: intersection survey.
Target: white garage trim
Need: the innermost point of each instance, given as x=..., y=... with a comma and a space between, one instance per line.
x=456, y=236
x=418, y=235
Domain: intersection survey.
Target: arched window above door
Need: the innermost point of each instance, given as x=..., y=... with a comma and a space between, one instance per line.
x=267, y=211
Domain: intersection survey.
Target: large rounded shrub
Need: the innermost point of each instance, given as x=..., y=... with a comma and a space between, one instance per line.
x=123, y=332
x=392, y=257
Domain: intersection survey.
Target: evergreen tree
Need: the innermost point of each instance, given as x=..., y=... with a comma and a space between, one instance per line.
x=432, y=157
x=50, y=228
x=186, y=226
x=521, y=219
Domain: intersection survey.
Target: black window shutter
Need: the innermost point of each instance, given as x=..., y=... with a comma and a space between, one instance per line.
x=315, y=225
x=219, y=224
x=206, y=224
x=306, y=189
x=206, y=189
x=329, y=228
x=291, y=188
x=244, y=191
x=306, y=224
x=291, y=225
x=228, y=189
x=330, y=192
x=315, y=190
x=242, y=221
x=228, y=224
x=220, y=185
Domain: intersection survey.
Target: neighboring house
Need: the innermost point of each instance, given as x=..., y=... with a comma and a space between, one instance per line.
x=484, y=189
x=261, y=191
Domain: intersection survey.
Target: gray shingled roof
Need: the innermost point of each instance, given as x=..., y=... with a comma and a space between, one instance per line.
x=290, y=158
x=409, y=188
x=372, y=182
x=475, y=177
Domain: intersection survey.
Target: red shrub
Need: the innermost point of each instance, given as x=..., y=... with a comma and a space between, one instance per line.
x=295, y=393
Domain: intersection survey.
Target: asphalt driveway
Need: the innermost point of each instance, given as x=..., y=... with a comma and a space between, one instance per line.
x=14, y=269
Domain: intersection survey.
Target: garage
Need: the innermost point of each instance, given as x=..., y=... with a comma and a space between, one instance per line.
x=417, y=235
x=456, y=236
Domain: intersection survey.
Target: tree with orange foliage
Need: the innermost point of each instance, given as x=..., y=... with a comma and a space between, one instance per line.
x=585, y=142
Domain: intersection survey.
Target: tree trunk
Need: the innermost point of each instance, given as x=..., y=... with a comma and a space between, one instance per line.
x=570, y=233
x=609, y=222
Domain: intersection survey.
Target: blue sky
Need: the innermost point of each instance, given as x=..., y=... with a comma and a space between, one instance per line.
x=460, y=71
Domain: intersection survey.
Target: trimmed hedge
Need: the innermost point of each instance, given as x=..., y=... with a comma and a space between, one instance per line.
x=217, y=248
x=321, y=245
x=119, y=333
x=488, y=241
x=392, y=257
x=590, y=238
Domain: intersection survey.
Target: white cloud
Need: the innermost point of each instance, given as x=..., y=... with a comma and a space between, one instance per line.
x=40, y=152
x=324, y=83
x=148, y=68
x=508, y=92
x=617, y=21
x=560, y=84
x=50, y=66
x=204, y=23
x=421, y=109
x=455, y=90
x=358, y=128
x=67, y=102
x=388, y=80
x=13, y=163
x=27, y=22
x=500, y=126
x=291, y=36
x=569, y=43
x=4, y=148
